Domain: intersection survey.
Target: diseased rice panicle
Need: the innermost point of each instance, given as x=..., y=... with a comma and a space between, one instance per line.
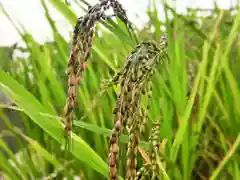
x=81, y=50
x=135, y=81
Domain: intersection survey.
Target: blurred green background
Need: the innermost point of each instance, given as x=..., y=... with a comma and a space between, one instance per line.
x=33, y=89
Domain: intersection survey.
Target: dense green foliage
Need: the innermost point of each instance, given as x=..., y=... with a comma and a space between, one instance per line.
x=204, y=146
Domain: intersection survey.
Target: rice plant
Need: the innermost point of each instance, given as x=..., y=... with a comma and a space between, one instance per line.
x=147, y=107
